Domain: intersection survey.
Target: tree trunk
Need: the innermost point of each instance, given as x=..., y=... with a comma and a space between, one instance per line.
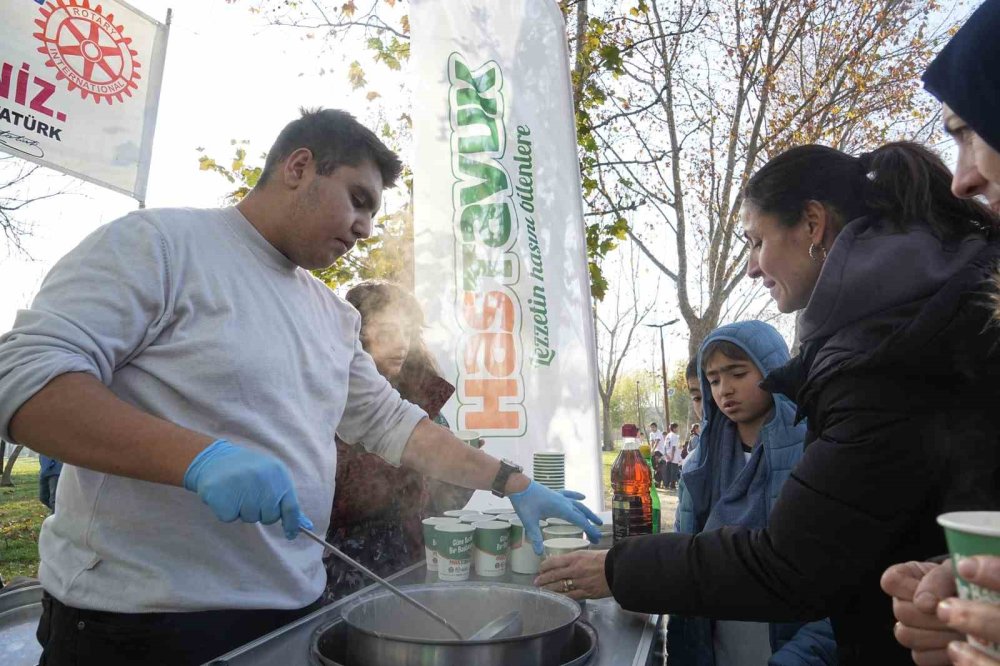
x=698, y=330
x=6, y=481
x=609, y=440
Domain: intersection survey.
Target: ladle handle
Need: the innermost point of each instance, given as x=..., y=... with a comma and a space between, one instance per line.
x=381, y=581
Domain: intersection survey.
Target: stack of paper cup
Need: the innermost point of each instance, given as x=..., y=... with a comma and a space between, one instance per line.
x=550, y=469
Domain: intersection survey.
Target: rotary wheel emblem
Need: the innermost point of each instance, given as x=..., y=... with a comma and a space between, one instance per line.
x=88, y=50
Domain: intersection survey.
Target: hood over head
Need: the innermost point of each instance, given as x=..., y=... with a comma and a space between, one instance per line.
x=965, y=75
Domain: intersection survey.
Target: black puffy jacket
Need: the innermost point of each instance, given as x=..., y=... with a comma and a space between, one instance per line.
x=899, y=376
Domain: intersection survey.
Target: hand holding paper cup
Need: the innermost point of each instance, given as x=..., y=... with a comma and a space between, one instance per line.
x=971, y=533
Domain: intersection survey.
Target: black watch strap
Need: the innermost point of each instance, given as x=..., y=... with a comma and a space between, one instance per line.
x=500, y=480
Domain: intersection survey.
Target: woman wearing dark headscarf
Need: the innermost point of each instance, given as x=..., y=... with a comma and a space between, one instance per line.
x=965, y=76
x=377, y=508
x=897, y=361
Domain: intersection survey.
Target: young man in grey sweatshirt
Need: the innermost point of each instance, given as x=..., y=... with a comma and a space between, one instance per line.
x=188, y=369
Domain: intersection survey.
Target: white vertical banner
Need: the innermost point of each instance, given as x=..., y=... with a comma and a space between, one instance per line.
x=79, y=88
x=500, y=247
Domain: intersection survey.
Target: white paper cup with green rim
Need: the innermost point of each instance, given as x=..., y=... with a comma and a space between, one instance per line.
x=471, y=518
x=458, y=513
x=973, y=533
x=564, y=546
x=470, y=437
x=507, y=517
x=558, y=521
x=561, y=531
x=454, y=548
x=430, y=538
x=491, y=548
x=522, y=558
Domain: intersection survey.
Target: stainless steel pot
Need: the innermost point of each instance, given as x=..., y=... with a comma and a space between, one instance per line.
x=383, y=631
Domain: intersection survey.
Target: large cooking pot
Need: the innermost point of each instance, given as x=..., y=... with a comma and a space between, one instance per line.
x=385, y=631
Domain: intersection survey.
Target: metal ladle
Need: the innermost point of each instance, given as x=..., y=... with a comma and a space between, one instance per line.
x=384, y=583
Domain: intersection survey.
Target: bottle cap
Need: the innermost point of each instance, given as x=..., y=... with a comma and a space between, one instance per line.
x=630, y=430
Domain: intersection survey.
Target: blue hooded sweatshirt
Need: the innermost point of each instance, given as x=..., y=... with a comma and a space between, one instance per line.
x=744, y=493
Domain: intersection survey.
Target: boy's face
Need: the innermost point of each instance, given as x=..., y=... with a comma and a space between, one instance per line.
x=694, y=390
x=735, y=388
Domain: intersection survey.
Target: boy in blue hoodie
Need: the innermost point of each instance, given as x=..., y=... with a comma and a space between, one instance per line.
x=749, y=444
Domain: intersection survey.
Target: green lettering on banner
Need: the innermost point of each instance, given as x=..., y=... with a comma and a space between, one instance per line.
x=490, y=386
x=543, y=354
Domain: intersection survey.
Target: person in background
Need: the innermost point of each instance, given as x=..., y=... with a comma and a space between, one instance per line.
x=657, y=443
x=672, y=454
x=896, y=376
x=694, y=390
x=659, y=470
x=750, y=444
x=655, y=438
x=48, y=479
x=378, y=507
x=965, y=77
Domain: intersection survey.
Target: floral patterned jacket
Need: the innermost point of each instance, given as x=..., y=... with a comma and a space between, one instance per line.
x=377, y=508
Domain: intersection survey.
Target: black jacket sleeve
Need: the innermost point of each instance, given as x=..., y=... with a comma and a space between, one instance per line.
x=848, y=502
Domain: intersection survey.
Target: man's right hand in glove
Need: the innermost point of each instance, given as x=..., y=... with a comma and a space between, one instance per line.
x=237, y=483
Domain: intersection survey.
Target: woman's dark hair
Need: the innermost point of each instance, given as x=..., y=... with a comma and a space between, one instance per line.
x=902, y=182
x=375, y=296
x=728, y=349
x=692, y=369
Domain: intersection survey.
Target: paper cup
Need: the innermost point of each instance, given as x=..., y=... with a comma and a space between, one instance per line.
x=430, y=539
x=471, y=518
x=561, y=531
x=491, y=547
x=564, y=545
x=470, y=437
x=558, y=521
x=458, y=513
x=973, y=533
x=498, y=511
x=454, y=549
x=522, y=556
x=507, y=517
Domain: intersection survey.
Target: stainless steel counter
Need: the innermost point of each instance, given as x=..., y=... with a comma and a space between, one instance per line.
x=624, y=638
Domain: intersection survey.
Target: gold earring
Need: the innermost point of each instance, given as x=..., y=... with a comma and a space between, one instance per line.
x=812, y=253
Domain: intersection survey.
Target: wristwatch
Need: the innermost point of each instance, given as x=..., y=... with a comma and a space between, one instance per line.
x=500, y=480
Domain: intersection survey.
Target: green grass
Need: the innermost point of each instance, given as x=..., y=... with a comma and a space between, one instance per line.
x=21, y=516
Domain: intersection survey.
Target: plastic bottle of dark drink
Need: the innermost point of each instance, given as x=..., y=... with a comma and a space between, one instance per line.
x=631, y=481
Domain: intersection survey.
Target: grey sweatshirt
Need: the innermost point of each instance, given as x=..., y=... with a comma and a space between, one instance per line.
x=191, y=315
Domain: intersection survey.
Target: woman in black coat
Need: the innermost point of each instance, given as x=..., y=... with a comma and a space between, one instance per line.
x=897, y=375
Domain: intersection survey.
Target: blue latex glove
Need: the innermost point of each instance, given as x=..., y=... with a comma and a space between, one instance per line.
x=536, y=502
x=236, y=482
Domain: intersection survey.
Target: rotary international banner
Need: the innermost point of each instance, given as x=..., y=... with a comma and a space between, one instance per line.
x=79, y=87
x=500, y=258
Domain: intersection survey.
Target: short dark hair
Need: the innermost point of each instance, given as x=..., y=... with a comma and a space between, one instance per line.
x=692, y=369
x=335, y=139
x=728, y=349
x=902, y=182
x=674, y=425
x=653, y=425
